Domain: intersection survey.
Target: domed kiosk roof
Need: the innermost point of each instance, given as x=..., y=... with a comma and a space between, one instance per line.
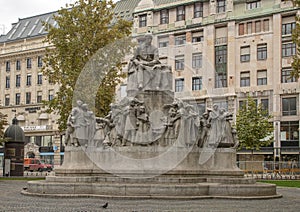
x=14, y=132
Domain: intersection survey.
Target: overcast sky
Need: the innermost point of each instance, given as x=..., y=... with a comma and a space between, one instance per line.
x=12, y=10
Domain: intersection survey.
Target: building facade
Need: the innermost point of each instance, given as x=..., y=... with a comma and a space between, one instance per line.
x=220, y=51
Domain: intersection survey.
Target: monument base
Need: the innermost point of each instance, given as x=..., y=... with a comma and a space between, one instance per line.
x=217, y=177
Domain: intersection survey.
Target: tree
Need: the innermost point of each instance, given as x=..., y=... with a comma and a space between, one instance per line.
x=295, y=37
x=253, y=126
x=3, y=122
x=83, y=29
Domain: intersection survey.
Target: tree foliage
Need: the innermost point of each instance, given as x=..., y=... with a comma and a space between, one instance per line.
x=82, y=29
x=295, y=36
x=253, y=127
x=3, y=122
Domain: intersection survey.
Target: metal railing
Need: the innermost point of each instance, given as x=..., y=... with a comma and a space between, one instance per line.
x=270, y=169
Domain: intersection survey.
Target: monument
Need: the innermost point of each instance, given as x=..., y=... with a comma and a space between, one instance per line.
x=150, y=145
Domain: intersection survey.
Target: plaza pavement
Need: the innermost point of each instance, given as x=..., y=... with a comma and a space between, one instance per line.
x=11, y=199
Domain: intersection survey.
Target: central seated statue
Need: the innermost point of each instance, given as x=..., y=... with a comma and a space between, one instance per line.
x=145, y=71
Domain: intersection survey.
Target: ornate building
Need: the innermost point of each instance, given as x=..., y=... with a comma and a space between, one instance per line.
x=220, y=51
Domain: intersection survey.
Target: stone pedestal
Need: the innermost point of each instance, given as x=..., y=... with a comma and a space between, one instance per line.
x=217, y=177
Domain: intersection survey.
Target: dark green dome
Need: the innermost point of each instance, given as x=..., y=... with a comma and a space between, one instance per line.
x=14, y=132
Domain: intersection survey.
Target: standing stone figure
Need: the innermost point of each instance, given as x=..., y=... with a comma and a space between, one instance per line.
x=75, y=121
x=204, y=129
x=215, y=133
x=172, y=127
x=227, y=139
x=131, y=122
x=143, y=126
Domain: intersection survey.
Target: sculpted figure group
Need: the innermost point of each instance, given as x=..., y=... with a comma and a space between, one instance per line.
x=134, y=122
x=130, y=126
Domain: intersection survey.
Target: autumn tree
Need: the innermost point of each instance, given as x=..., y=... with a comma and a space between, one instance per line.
x=82, y=29
x=253, y=126
x=295, y=36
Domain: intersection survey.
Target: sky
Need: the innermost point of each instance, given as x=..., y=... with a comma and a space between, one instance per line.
x=12, y=10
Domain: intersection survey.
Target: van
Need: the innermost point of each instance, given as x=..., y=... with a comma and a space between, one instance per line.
x=33, y=164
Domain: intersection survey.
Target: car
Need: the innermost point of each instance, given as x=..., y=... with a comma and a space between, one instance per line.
x=34, y=164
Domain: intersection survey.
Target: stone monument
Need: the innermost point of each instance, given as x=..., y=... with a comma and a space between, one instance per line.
x=150, y=145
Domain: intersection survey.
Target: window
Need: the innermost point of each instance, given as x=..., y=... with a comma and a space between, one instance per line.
x=196, y=83
x=289, y=106
x=28, y=63
x=221, y=80
x=221, y=35
x=245, y=54
x=198, y=9
x=179, y=85
x=18, y=98
x=163, y=42
x=7, y=100
x=265, y=104
x=179, y=62
x=18, y=65
x=180, y=40
x=197, y=60
x=288, y=49
x=7, y=66
x=252, y=4
x=287, y=28
x=262, y=51
x=249, y=27
x=286, y=76
x=7, y=82
x=51, y=95
x=262, y=77
x=40, y=61
x=164, y=16
x=28, y=80
x=18, y=80
x=197, y=36
x=40, y=79
x=180, y=15
x=39, y=97
x=221, y=66
x=245, y=79
x=266, y=25
x=221, y=6
x=289, y=131
x=143, y=20
x=257, y=26
x=241, y=29
x=28, y=97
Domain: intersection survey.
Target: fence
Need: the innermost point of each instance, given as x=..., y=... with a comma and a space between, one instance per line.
x=270, y=169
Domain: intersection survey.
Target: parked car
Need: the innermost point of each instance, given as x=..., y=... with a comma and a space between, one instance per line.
x=33, y=164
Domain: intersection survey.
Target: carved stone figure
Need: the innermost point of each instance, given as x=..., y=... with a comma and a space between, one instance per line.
x=143, y=126
x=215, y=133
x=99, y=134
x=131, y=122
x=145, y=72
x=172, y=127
x=188, y=132
x=227, y=139
x=204, y=129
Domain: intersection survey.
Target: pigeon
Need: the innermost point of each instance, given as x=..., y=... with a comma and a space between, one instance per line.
x=105, y=205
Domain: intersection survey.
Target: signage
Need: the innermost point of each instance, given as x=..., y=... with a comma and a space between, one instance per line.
x=32, y=109
x=37, y=128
